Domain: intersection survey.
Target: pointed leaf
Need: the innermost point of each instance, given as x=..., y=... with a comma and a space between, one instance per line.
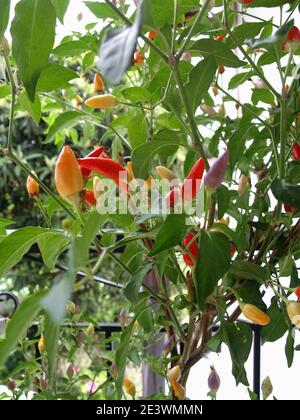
x=171, y=233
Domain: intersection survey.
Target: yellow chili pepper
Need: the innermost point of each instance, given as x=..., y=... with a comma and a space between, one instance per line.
x=99, y=86
x=130, y=170
x=32, y=186
x=129, y=387
x=178, y=389
x=107, y=101
x=293, y=310
x=42, y=344
x=174, y=373
x=254, y=314
x=165, y=173
x=243, y=185
x=68, y=177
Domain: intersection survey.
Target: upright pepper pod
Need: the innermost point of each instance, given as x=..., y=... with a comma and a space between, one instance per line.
x=68, y=178
x=191, y=185
x=292, y=41
x=41, y=344
x=174, y=373
x=254, y=314
x=216, y=174
x=192, y=245
x=129, y=387
x=296, y=151
x=99, y=85
x=165, y=173
x=32, y=186
x=106, y=101
x=293, y=311
x=243, y=185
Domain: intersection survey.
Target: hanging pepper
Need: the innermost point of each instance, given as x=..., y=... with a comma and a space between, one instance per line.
x=41, y=344
x=106, y=101
x=254, y=314
x=32, y=186
x=68, y=178
x=178, y=390
x=293, y=311
x=292, y=42
x=191, y=185
x=296, y=151
x=216, y=174
x=243, y=185
x=129, y=387
x=99, y=86
x=174, y=374
x=95, y=153
x=192, y=245
x=106, y=167
x=213, y=381
x=89, y=198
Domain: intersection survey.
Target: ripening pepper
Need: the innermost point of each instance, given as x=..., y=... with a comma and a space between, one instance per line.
x=68, y=178
x=106, y=101
x=95, y=153
x=216, y=174
x=297, y=292
x=192, y=246
x=138, y=58
x=32, y=186
x=165, y=173
x=89, y=198
x=178, y=390
x=221, y=69
x=41, y=344
x=214, y=381
x=99, y=85
x=174, y=374
x=152, y=35
x=191, y=185
x=129, y=387
x=220, y=38
x=292, y=42
x=130, y=171
x=243, y=185
x=254, y=314
x=296, y=151
x=11, y=385
x=293, y=310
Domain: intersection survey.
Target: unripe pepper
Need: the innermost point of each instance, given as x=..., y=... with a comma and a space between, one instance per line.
x=42, y=344
x=243, y=185
x=32, y=186
x=254, y=314
x=216, y=174
x=106, y=101
x=214, y=381
x=192, y=245
x=68, y=178
x=292, y=42
x=174, y=374
x=293, y=311
x=89, y=198
x=129, y=387
x=296, y=151
x=191, y=185
x=178, y=389
x=165, y=173
x=99, y=86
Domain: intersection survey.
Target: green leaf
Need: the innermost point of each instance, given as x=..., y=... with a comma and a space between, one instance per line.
x=286, y=192
x=117, y=50
x=136, y=94
x=4, y=15
x=101, y=10
x=238, y=79
x=19, y=324
x=277, y=327
x=14, y=246
x=268, y=3
x=286, y=264
x=51, y=245
x=33, y=108
x=71, y=48
x=33, y=33
x=244, y=31
x=263, y=95
x=133, y=286
x=5, y=222
x=163, y=11
x=142, y=157
x=200, y=80
x=51, y=342
x=289, y=348
x=66, y=120
x=137, y=130
x=223, y=199
x=277, y=38
x=213, y=262
x=222, y=54
x=238, y=337
x=5, y=90
x=171, y=233
x=54, y=77
x=61, y=7
x=248, y=271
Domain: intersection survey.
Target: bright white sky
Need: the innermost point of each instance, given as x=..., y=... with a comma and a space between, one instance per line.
x=285, y=381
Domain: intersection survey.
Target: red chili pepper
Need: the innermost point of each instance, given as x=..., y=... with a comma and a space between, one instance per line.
x=297, y=291
x=221, y=69
x=192, y=246
x=95, y=153
x=289, y=209
x=172, y=198
x=191, y=185
x=296, y=151
x=220, y=38
x=292, y=41
x=90, y=198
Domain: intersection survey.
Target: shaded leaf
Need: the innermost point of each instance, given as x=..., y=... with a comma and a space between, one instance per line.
x=133, y=286
x=54, y=76
x=222, y=54
x=66, y=120
x=286, y=192
x=248, y=271
x=171, y=233
x=4, y=15
x=61, y=7
x=51, y=245
x=277, y=327
x=33, y=108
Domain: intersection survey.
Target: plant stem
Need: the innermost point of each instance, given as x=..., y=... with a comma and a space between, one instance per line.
x=196, y=23
x=283, y=136
x=246, y=55
x=174, y=27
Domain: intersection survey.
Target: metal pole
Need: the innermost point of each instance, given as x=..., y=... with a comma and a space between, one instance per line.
x=256, y=359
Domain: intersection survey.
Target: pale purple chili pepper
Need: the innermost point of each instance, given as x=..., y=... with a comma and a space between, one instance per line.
x=216, y=174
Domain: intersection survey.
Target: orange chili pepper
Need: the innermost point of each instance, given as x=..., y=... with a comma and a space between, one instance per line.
x=99, y=86
x=90, y=198
x=129, y=387
x=32, y=186
x=178, y=389
x=106, y=101
x=254, y=314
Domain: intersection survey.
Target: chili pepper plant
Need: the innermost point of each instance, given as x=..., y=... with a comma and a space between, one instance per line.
x=163, y=171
